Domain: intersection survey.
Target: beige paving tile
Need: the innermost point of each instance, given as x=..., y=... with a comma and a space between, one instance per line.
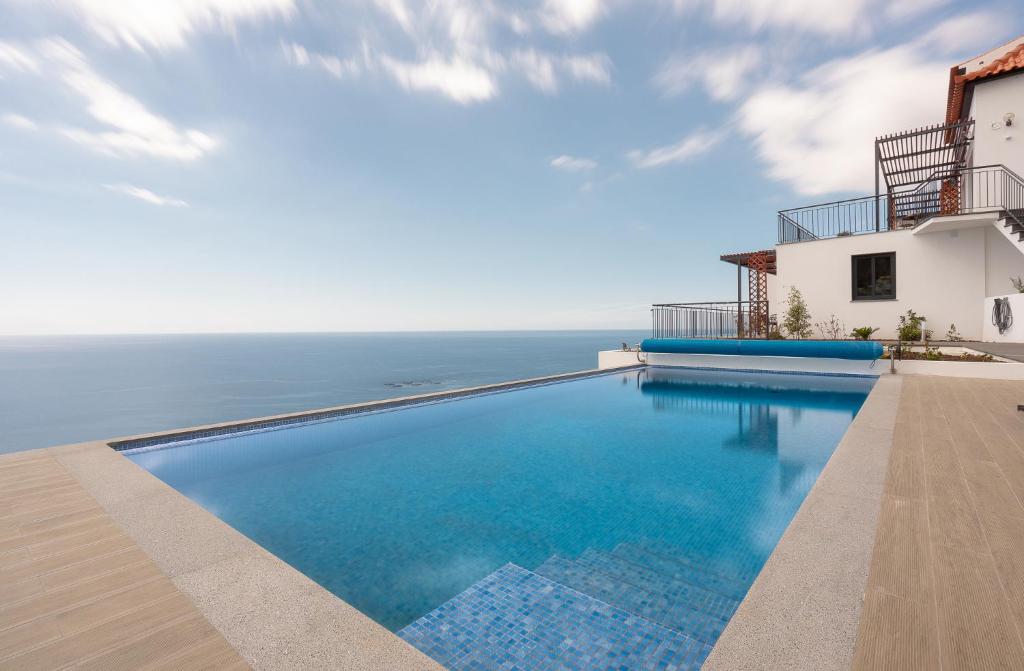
x=901, y=563
x=93, y=568
x=976, y=630
x=27, y=540
x=104, y=637
x=952, y=519
x=896, y=635
x=990, y=489
x=1005, y=535
x=113, y=605
x=213, y=652
x=905, y=477
x=52, y=602
x=162, y=643
x=26, y=637
x=76, y=591
x=29, y=567
x=64, y=543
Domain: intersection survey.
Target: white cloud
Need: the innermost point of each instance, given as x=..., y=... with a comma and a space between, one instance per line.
x=16, y=58
x=570, y=16
x=817, y=133
x=446, y=47
x=541, y=69
x=690, y=147
x=904, y=9
x=145, y=195
x=839, y=18
x=128, y=127
x=723, y=75
x=538, y=68
x=457, y=78
x=595, y=68
x=19, y=122
x=339, y=68
x=962, y=35
x=166, y=24
x=572, y=163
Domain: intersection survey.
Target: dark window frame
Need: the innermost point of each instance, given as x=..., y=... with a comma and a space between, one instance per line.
x=853, y=276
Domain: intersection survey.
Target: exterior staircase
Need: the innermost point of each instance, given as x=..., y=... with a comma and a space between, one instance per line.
x=636, y=607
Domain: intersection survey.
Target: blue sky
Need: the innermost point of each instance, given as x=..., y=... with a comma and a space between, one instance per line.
x=291, y=165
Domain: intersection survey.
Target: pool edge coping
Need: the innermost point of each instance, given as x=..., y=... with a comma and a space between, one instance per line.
x=803, y=610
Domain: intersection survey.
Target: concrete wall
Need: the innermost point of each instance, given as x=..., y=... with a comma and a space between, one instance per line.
x=940, y=275
x=994, y=143
x=1003, y=260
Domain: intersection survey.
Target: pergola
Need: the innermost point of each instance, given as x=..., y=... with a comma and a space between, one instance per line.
x=759, y=265
x=909, y=161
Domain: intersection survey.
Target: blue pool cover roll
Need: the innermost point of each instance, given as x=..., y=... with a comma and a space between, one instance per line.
x=824, y=349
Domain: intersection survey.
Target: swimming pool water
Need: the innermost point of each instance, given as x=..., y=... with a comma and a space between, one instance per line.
x=397, y=512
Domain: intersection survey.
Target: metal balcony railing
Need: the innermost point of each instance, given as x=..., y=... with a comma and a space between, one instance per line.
x=970, y=190
x=714, y=319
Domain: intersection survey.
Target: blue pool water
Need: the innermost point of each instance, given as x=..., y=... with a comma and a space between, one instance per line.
x=614, y=486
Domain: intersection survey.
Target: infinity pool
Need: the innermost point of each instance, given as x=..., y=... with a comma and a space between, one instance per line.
x=397, y=512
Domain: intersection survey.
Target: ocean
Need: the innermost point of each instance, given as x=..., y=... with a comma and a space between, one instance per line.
x=68, y=389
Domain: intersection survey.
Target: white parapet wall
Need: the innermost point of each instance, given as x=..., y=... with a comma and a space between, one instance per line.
x=1016, y=331
x=976, y=369
x=617, y=358
x=789, y=364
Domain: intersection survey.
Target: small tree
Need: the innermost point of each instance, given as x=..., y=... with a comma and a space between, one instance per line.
x=797, y=321
x=952, y=335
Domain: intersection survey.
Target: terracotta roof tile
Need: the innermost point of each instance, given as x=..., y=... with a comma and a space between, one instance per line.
x=1009, y=62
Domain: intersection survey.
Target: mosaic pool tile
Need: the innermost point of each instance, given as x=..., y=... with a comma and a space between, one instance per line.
x=517, y=620
x=648, y=561
x=659, y=608
x=692, y=591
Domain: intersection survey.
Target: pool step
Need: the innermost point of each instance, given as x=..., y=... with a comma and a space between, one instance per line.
x=743, y=576
x=677, y=568
x=665, y=609
x=515, y=619
x=674, y=590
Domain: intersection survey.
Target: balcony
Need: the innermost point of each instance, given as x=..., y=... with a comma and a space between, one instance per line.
x=967, y=190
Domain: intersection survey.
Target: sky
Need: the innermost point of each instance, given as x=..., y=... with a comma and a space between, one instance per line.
x=176, y=166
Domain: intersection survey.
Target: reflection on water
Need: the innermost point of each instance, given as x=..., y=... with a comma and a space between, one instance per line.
x=763, y=407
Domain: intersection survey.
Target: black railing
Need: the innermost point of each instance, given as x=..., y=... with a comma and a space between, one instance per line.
x=971, y=190
x=832, y=220
x=716, y=319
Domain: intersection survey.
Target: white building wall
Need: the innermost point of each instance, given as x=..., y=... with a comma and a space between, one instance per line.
x=994, y=142
x=1002, y=261
x=940, y=275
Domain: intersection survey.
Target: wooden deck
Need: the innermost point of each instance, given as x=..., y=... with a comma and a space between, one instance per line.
x=946, y=585
x=76, y=592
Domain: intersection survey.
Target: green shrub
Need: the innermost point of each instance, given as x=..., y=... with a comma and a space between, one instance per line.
x=863, y=332
x=909, y=328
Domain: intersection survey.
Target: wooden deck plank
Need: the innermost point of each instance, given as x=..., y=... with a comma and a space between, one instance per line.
x=946, y=586
x=76, y=591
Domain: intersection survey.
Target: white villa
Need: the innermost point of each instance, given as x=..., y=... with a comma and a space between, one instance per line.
x=943, y=235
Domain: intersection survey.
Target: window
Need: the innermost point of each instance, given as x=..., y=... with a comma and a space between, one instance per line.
x=874, y=277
